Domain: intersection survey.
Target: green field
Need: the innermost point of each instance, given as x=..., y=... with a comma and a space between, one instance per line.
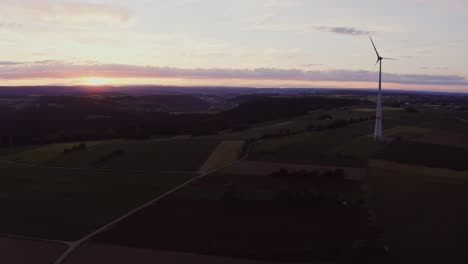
x=425, y=154
x=312, y=147
x=293, y=125
x=47, y=193
x=66, y=204
x=41, y=154
x=373, y=110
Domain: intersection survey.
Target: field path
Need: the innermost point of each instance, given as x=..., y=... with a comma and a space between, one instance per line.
x=75, y=245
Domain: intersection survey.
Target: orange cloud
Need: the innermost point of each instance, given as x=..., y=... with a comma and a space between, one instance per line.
x=119, y=74
x=63, y=70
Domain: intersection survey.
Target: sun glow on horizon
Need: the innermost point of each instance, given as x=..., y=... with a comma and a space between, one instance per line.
x=95, y=81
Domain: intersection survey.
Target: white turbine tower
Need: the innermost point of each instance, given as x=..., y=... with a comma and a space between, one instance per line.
x=378, y=118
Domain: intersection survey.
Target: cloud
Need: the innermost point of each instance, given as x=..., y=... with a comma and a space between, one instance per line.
x=17, y=63
x=268, y=23
x=64, y=70
x=435, y=68
x=344, y=30
x=312, y=65
x=9, y=63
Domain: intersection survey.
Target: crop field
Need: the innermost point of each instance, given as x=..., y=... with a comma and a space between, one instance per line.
x=65, y=204
x=244, y=211
x=226, y=153
x=149, y=155
x=421, y=210
x=353, y=145
x=373, y=110
x=295, y=125
x=364, y=147
x=42, y=154
x=266, y=188
x=407, y=132
x=50, y=193
x=311, y=147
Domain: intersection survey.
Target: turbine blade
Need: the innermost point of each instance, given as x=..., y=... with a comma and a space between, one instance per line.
x=375, y=65
x=378, y=55
x=389, y=59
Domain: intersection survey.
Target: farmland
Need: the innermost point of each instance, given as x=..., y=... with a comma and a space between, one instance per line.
x=245, y=216
x=27, y=251
x=41, y=154
x=353, y=145
x=435, y=156
x=302, y=184
x=47, y=193
x=225, y=154
x=311, y=147
x=147, y=155
x=65, y=204
x=421, y=210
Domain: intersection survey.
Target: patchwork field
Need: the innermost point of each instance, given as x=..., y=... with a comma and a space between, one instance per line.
x=186, y=155
x=353, y=145
x=294, y=125
x=253, y=217
x=65, y=204
x=54, y=193
x=312, y=147
x=245, y=211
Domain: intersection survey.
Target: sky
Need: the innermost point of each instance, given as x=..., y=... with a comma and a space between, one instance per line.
x=262, y=43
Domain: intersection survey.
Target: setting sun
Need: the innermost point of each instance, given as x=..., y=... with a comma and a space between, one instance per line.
x=95, y=81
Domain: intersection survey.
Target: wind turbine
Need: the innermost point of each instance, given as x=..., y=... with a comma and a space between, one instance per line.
x=378, y=119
